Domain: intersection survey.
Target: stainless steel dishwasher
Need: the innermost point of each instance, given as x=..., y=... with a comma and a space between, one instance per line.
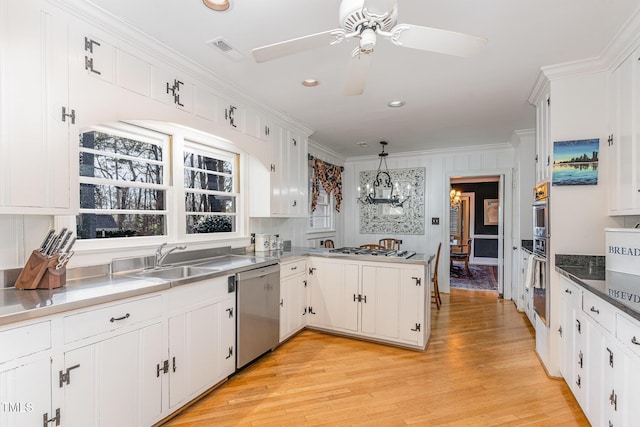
x=258, y=306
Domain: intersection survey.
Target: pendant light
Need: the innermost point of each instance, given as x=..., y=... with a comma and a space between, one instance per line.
x=382, y=190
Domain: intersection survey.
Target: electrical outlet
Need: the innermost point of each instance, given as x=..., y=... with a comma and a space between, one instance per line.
x=435, y=221
x=322, y=243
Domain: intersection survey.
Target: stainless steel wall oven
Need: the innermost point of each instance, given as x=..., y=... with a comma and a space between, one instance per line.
x=541, y=235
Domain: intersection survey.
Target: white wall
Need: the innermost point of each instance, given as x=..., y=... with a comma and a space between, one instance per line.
x=440, y=165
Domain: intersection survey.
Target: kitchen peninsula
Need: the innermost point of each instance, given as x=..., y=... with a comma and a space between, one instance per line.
x=165, y=341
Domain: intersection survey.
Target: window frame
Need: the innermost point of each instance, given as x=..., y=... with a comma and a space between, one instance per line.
x=331, y=205
x=174, y=137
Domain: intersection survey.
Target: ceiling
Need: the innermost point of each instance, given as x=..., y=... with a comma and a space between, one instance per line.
x=450, y=101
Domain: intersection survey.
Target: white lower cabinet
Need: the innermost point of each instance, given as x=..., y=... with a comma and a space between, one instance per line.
x=25, y=393
x=116, y=381
x=135, y=362
x=379, y=301
x=201, y=338
x=602, y=371
x=333, y=291
x=293, y=297
x=201, y=350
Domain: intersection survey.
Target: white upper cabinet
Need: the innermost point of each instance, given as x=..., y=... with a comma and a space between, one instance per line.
x=285, y=180
x=37, y=114
x=171, y=88
x=230, y=113
x=543, y=134
x=98, y=58
x=624, y=141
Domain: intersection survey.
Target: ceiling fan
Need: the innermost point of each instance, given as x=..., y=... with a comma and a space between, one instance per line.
x=365, y=20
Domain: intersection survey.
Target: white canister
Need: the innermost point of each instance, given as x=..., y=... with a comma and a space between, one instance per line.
x=280, y=244
x=274, y=242
x=262, y=242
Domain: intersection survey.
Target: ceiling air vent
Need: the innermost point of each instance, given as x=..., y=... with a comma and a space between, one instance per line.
x=223, y=47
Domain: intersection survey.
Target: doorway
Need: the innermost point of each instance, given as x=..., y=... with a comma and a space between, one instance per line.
x=483, y=215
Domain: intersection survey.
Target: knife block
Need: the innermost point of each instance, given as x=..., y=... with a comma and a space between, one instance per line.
x=40, y=272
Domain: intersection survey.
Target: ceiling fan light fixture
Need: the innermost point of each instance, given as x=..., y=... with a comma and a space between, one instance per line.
x=310, y=82
x=217, y=5
x=395, y=104
x=367, y=40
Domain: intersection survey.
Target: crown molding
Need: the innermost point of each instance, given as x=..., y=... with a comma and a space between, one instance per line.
x=326, y=151
x=505, y=146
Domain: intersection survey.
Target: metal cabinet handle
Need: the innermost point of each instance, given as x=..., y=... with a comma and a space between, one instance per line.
x=114, y=319
x=635, y=341
x=568, y=291
x=595, y=310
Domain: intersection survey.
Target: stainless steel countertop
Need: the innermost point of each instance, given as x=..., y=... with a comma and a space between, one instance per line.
x=17, y=305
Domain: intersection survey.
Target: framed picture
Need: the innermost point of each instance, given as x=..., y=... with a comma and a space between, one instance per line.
x=575, y=162
x=491, y=207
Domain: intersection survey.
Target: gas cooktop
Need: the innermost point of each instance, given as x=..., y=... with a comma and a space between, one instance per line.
x=372, y=252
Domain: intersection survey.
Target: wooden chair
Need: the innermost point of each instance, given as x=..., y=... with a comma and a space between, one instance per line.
x=372, y=246
x=328, y=244
x=462, y=256
x=435, y=295
x=390, y=243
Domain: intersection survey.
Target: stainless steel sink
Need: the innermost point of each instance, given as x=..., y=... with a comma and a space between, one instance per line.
x=177, y=273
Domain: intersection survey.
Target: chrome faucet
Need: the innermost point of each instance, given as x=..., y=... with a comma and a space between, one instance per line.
x=160, y=256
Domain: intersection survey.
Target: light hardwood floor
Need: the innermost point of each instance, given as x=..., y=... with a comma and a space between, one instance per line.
x=479, y=369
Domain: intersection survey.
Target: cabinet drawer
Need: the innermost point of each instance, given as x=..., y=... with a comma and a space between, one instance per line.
x=628, y=332
x=291, y=268
x=99, y=320
x=570, y=292
x=600, y=311
x=25, y=340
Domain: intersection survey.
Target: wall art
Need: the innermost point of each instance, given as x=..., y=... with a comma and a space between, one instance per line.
x=575, y=162
x=386, y=219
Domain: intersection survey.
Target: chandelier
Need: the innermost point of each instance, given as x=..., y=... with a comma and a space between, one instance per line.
x=455, y=198
x=382, y=190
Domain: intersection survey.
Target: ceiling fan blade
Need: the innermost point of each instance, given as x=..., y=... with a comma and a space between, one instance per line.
x=437, y=40
x=357, y=74
x=379, y=6
x=289, y=47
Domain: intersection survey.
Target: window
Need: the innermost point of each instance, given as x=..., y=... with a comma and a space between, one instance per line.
x=123, y=190
x=322, y=218
x=136, y=182
x=210, y=190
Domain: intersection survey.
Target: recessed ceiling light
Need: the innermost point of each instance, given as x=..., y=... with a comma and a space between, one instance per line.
x=309, y=82
x=219, y=5
x=395, y=104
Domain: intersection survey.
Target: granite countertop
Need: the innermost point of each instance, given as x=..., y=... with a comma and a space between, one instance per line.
x=619, y=289
x=18, y=305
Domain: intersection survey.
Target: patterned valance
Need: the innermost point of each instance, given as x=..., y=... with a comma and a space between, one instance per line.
x=330, y=177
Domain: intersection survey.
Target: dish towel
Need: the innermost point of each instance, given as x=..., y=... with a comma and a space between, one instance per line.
x=531, y=267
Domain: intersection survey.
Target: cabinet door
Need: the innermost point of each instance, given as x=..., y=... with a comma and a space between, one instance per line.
x=230, y=113
x=297, y=175
x=412, y=304
x=381, y=301
x=193, y=353
x=116, y=381
x=227, y=332
x=170, y=88
x=36, y=153
x=25, y=394
x=333, y=298
x=543, y=136
x=292, y=305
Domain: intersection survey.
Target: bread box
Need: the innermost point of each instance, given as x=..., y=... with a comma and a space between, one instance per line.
x=623, y=250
